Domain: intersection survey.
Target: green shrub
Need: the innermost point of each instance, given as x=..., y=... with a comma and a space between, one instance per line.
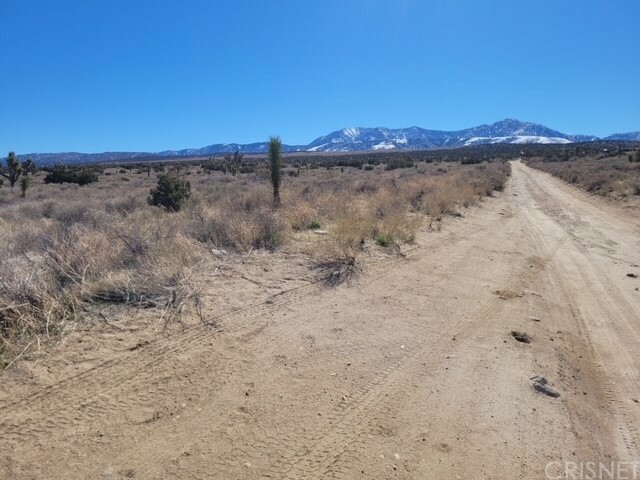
x=61, y=174
x=384, y=239
x=395, y=163
x=171, y=193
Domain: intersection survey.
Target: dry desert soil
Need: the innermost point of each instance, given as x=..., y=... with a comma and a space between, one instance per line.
x=409, y=371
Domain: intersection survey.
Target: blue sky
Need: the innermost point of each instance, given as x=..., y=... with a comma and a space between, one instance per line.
x=116, y=75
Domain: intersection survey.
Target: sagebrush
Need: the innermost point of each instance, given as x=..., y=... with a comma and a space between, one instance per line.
x=66, y=246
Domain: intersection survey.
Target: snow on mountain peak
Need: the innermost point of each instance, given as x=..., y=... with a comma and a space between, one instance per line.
x=351, y=132
x=508, y=130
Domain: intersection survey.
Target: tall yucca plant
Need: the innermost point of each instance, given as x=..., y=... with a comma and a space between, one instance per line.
x=275, y=165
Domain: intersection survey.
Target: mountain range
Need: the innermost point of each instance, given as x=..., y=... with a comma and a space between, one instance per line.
x=365, y=139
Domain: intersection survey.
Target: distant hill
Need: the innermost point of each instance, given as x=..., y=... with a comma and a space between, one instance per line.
x=508, y=131
x=629, y=137
x=75, y=157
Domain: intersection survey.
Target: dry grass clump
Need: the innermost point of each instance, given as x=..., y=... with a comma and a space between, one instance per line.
x=68, y=249
x=242, y=218
x=612, y=176
x=387, y=208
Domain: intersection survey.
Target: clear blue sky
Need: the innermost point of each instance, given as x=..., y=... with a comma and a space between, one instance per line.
x=141, y=75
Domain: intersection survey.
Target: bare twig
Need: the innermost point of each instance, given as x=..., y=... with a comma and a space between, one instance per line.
x=15, y=359
x=14, y=307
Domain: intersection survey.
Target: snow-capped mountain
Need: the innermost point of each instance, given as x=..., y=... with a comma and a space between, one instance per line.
x=415, y=138
x=363, y=139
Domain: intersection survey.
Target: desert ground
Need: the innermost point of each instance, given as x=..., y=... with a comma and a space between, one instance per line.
x=409, y=370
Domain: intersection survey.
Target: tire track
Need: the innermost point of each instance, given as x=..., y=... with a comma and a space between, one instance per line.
x=604, y=316
x=343, y=433
x=319, y=359
x=111, y=386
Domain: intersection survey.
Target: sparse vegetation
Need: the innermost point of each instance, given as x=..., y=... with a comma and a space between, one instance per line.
x=69, y=248
x=610, y=176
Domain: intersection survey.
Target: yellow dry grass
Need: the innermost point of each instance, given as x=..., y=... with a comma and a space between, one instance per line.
x=64, y=245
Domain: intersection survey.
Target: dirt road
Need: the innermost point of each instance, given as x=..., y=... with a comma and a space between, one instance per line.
x=409, y=372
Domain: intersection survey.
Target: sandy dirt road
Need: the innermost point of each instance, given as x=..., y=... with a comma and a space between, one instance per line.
x=408, y=372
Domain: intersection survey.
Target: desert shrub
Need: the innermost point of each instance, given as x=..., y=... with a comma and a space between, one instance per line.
x=384, y=239
x=395, y=163
x=303, y=216
x=61, y=174
x=170, y=193
x=238, y=229
x=604, y=176
x=125, y=205
x=69, y=252
x=470, y=161
x=597, y=184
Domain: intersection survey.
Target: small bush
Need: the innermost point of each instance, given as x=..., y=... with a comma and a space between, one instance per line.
x=384, y=239
x=598, y=183
x=171, y=193
x=66, y=175
x=395, y=163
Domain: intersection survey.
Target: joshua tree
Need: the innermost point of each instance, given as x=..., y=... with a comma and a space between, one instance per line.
x=232, y=164
x=29, y=167
x=15, y=169
x=275, y=165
